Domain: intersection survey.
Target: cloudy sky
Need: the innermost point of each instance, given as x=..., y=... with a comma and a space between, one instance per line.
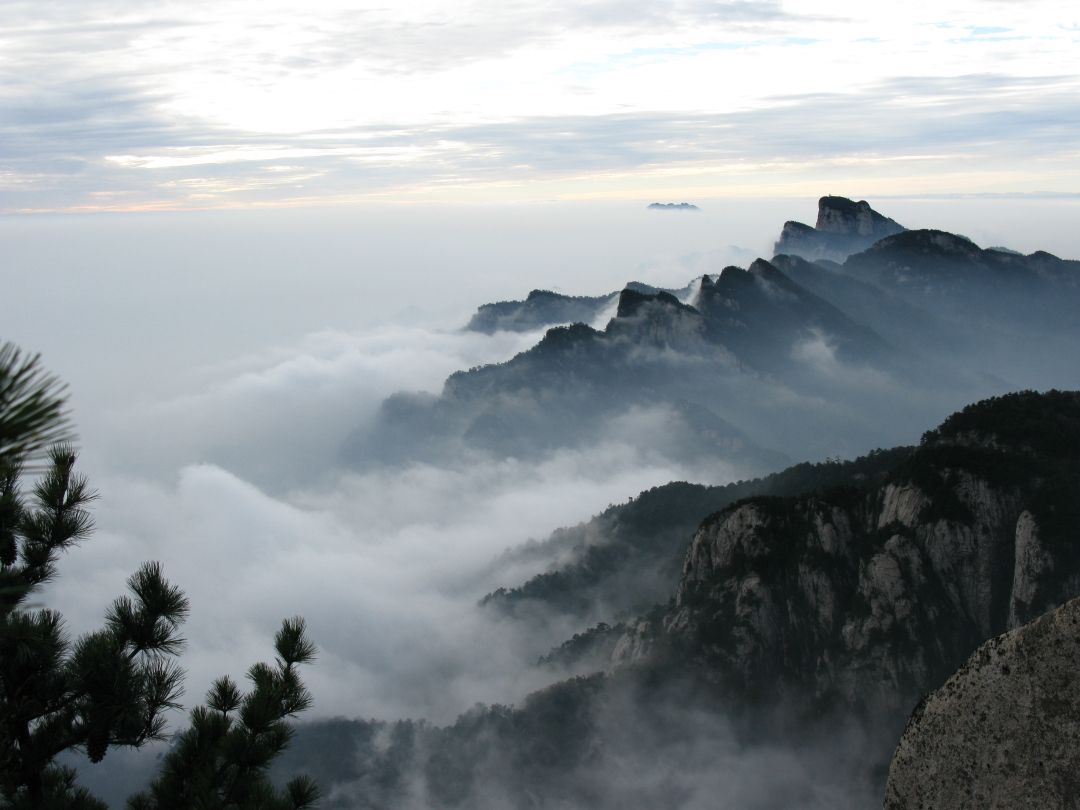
x=107, y=104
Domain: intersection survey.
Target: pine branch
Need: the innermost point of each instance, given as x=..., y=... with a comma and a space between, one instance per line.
x=33, y=407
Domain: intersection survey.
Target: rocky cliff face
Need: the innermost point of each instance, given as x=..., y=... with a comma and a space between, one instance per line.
x=1002, y=732
x=841, y=599
x=629, y=558
x=868, y=598
x=843, y=227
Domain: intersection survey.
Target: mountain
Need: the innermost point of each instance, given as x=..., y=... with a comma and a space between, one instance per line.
x=801, y=633
x=843, y=227
x=739, y=371
x=1007, y=314
x=931, y=263
x=1003, y=731
x=869, y=598
x=629, y=558
x=574, y=389
x=712, y=376
x=760, y=314
x=903, y=324
x=948, y=274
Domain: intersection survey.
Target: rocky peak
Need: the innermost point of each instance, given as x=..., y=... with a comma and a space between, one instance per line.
x=843, y=227
x=839, y=215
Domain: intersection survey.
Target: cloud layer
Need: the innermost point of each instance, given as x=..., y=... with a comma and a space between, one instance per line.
x=387, y=565
x=109, y=106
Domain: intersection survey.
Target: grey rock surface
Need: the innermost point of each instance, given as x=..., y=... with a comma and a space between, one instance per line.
x=869, y=602
x=1004, y=730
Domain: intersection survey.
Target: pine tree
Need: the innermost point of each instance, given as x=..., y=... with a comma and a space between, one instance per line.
x=113, y=686
x=222, y=760
x=33, y=415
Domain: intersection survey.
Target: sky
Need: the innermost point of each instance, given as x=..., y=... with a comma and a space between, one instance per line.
x=122, y=106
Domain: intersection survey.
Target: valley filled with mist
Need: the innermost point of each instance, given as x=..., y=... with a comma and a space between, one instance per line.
x=474, y=448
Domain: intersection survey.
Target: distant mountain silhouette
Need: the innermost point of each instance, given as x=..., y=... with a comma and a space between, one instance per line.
x=683, y=206
x=752, y=366
x=652, y=377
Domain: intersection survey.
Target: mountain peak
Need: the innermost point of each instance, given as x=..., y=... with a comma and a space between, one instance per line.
x=843, y=227
x=840, y=215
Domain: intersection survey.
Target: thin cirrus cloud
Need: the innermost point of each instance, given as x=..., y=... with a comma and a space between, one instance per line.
x=107, y=106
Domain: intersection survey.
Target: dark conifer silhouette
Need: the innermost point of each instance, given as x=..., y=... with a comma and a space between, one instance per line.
x=112, y=687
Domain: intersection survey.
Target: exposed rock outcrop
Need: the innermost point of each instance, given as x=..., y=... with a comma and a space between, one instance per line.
x=1003, y=731
x=843, y=227
x=629, y=558
x=867, y=598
